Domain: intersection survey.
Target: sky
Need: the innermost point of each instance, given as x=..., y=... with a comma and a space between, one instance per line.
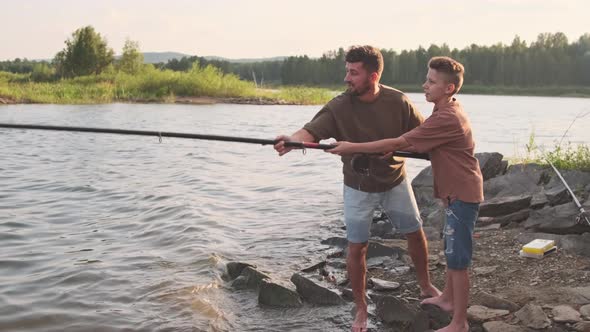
x=37, y=29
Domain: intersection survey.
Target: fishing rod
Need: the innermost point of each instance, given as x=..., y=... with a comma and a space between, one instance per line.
x=582, y=216
x=160, y=134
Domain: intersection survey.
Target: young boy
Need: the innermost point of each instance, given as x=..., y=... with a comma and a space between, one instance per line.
x=458, y=182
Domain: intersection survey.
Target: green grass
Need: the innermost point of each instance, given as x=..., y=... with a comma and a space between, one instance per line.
x=562, y=156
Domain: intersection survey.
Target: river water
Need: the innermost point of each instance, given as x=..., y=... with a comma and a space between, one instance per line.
x=104, y=232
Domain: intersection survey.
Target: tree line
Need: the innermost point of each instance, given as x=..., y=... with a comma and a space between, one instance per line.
x=550, y=60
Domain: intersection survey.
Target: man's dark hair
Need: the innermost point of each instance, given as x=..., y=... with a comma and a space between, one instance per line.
x=370, y=57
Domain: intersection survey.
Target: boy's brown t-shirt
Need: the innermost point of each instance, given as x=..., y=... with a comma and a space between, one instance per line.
x=345, y=118
x=447, y=136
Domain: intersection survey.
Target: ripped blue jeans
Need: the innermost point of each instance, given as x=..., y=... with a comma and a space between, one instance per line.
x=458, y=233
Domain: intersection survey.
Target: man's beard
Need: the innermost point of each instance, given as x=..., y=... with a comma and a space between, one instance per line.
x=361, y=90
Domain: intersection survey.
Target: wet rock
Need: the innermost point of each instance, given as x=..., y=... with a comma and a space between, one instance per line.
x=336, y=242
x=480, y=313
x=495, y=302
x=490, y=164
x=276, y=295
x=234, y=269
x=392, y=310
x=505, y=205
x=383, y=285
x=533, y=316
x=378, y=250
x=381, y=228
x=249, y=278
x=585, y=311
x=437, y=317
x=496, y=326
x=314, y=292
x=565, y=314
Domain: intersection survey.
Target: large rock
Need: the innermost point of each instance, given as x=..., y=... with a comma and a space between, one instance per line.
x=504, y=220
x=580, y=295
x=582, y=327
x=585, y=311
x=495, y=302
x=496, y=326
x=501, y=206
x=392, y=310
x=559, y=219
x=565, y=314
x=518, y=180
x=249, y=278
x=277, y=295
x=423, y=188
x=579, y=244
x=479, y=313
x=234, y=269
x=533, y=316
x=378, y=249
x=490, y=164
x=314, y=292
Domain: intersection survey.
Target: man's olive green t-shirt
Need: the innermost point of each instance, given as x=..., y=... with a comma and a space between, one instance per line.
x=346, y=118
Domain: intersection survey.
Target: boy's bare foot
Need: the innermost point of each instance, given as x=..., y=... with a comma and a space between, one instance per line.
x=360, y=321
x=430, y=291
x=440, y=302
x=455, y=328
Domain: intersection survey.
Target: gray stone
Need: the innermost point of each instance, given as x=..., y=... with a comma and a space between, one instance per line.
x=391, y=310
x=490, y=164
x=480, y=313
x=276, y=295
x=438, y=318
x=505, y=220
x=582, y=327
x=253, y=278
x=559, y=219
x=496, y=326
x=518, y=180
x=580, y=295
x=234, y=269
x=423, y=188
x=383, y=285
x=539, y=200
x=314, y=292
x=485, y=270
x=585, y=311
x=436, y=219
x=579, y=244
x=381, y=228
x=533, y=316
x=557, y=195
x=495, y=302
x=505, y=205
x=378, y=249
x=565, y=314
x=339, y=242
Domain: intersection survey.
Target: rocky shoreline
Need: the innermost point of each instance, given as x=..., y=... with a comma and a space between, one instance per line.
x=509, y=292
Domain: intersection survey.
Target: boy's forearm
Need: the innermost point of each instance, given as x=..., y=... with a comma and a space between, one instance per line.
x=384, y=145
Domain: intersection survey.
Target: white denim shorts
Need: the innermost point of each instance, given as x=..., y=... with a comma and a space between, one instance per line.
x=399, y=204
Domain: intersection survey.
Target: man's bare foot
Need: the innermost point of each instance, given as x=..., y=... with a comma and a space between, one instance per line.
x=430, y=291
x=455, y=328
x=440, y=302
x=360, y=321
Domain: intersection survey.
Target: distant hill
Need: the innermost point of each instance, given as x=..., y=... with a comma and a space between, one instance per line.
x=157, y=57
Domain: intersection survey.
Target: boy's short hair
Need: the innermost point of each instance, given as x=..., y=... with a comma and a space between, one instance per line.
x=452, y=68
x=370, y=56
